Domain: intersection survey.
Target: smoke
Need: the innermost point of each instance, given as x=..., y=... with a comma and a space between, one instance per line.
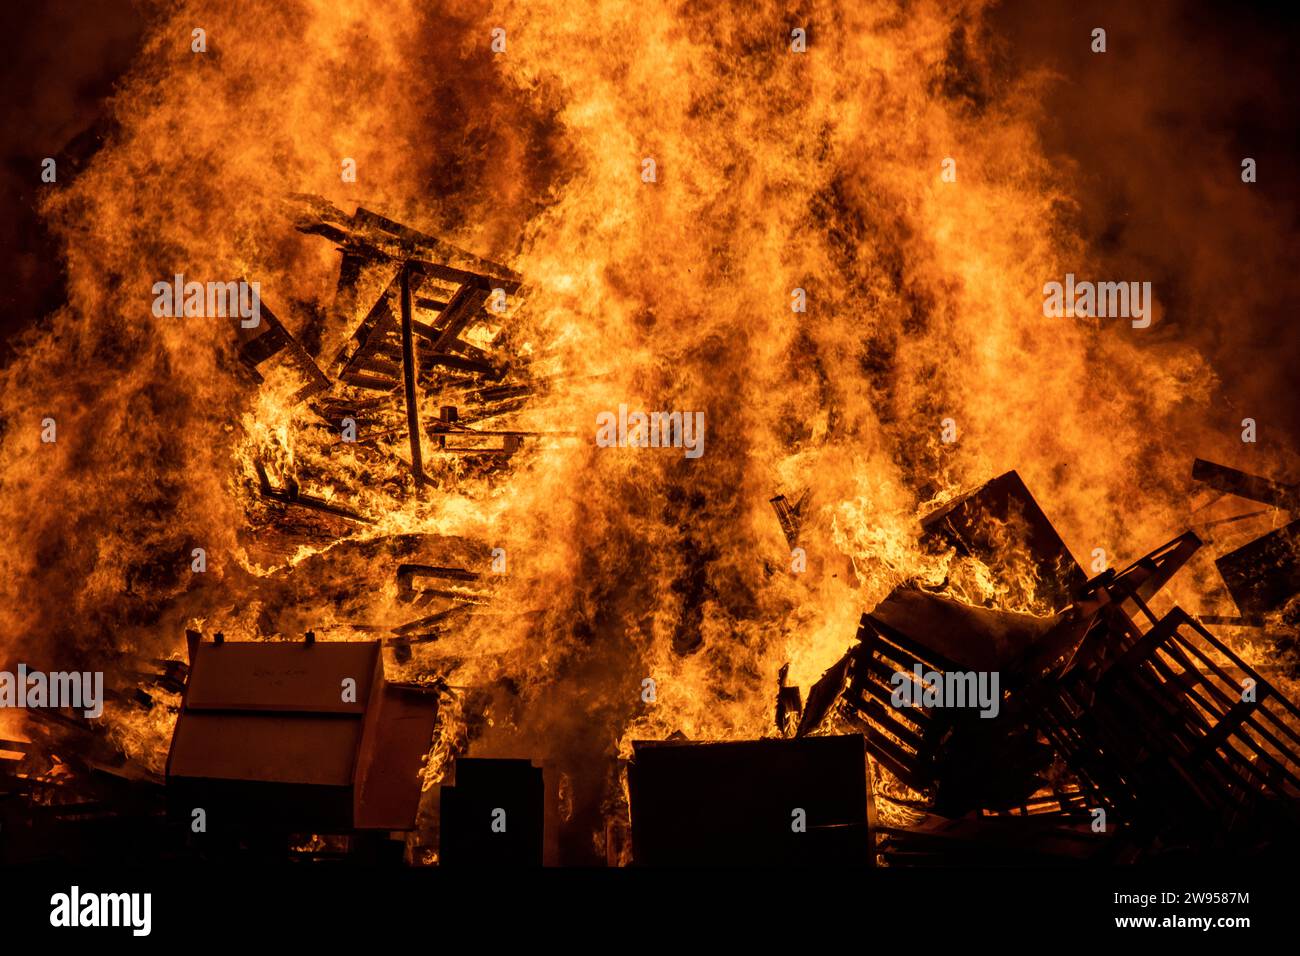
x=1155, y=131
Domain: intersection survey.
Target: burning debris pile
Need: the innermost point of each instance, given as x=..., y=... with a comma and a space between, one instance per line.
x=433, y=333
x=1101, y=732
x=393, y=454
x=261, y=742
x=1083, y=727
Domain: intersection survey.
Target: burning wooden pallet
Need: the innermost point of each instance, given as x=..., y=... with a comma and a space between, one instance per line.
x=999, y=521
x=1147, y=722
x=1263, y=576
x=432, y=328
x=953, y=755
x=415, y=321
x=1172, y=727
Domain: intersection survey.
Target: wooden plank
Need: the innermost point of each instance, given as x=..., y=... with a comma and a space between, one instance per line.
x=462, y=309
x=408, y=378
x=1231, y=481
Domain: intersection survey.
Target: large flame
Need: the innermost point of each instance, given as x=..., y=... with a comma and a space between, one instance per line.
x=774, y=171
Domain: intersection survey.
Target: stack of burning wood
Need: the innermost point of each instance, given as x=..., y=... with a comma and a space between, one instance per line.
x=415, y=323
x=1102, y=732
x=69, y=792
x=1098, y=730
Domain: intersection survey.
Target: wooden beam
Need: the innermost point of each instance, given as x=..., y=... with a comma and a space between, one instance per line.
x=408, y=379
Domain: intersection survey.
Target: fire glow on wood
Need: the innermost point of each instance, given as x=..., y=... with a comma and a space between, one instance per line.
x=366, y=463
